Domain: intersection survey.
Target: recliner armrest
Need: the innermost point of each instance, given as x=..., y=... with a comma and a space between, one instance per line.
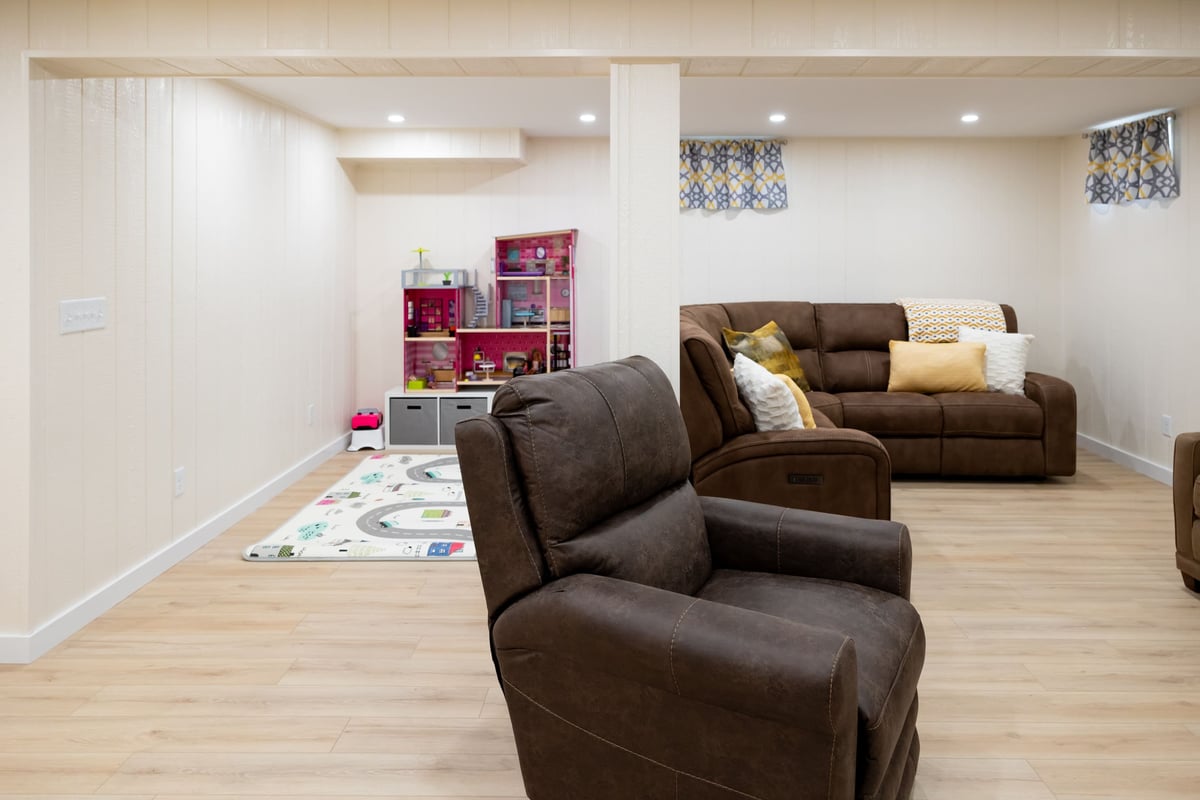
x=1057, y=400
x=836, y=470
x=799, y=675
x=763, y=538
x=1183, y=489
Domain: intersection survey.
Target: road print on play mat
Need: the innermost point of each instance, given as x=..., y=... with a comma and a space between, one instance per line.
x=390, y=507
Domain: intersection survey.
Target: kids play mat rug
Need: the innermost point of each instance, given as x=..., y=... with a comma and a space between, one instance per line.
x=390, y=507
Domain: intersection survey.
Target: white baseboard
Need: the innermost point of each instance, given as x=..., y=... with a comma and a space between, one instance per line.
x=1136, y=463
x=16, y=649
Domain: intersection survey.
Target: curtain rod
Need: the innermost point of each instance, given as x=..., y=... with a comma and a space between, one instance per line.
x=1087, y=134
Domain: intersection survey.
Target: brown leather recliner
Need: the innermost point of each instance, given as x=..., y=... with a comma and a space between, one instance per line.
x=653, y=644
x=1186, y=480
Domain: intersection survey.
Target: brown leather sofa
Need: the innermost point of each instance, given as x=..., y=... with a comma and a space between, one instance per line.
x=651, y=643
x=1186, y=485
x=843, y=348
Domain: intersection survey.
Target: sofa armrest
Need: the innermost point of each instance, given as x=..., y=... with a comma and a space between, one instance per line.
x=835, y=470
x=798, y=675
x=762, y=538
x=1183, y=490
x=1057, y=400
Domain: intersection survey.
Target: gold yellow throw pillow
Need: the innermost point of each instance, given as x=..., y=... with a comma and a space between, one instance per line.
x=943, y=367
x=801, y=401
x=768, y=346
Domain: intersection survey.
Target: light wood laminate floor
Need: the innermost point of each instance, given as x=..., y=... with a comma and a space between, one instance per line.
x=1063, y=663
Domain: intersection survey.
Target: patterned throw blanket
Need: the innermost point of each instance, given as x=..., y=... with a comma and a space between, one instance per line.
x=935, y=320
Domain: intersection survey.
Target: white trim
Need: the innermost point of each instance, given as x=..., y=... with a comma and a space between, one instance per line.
x=1136, y=463
x=17, y=649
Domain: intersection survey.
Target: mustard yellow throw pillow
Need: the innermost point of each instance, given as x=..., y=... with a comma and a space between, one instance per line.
x=943, y=367
x=801, y=401
x=768, y=346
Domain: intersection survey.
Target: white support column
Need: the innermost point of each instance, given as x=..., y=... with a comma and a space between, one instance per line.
x=15, y=373
x=644, y=153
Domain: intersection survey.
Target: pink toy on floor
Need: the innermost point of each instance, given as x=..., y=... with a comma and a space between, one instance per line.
x=366, y=419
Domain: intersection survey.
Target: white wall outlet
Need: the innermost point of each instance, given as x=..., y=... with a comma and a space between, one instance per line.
x=85, y=314
x=179, y=474
x=1168, y=429
x=312, y=413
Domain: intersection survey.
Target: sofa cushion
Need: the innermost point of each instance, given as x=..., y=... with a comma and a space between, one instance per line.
x=892, y=413
x=806, y=414
x=1006, y=357
x=942, y=367
x=795, y=319
x=859, y=326
x=770, y=401
x=854, y=344
x=770, y=347
x=1196, y=497
x=990, y=414
x=827, y=404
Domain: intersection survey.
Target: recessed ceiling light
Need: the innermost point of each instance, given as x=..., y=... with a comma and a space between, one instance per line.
x=970, y=118
x=395, y=118
x=777, y=117
x=587, y=117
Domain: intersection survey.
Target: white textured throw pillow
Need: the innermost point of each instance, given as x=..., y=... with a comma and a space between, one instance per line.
x=771, y=402
x=1005, y=357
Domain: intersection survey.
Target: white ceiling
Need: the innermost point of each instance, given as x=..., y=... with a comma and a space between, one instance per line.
x=713, y=106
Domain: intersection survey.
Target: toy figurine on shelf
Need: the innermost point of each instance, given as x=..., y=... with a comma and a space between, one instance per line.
x=536, y=363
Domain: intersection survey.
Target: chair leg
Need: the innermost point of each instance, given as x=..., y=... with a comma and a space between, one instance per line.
x=1191, y=582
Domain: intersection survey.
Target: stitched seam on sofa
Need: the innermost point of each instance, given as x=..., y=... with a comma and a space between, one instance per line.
x=993, y=434
x=671, y=647
x=888, y=697
x=627, y=750
x=899, y=558
x=854, y=406
x=516, y=518
x=829, y=712
x=537, y=473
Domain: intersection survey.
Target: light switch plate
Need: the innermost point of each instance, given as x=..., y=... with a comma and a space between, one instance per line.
x=86, y=314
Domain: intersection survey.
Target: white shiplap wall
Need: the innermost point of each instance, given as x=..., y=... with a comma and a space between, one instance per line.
x=15, y=351
x=1131, y=279
x=454, y=211
x=220, y=228
x=878, y=219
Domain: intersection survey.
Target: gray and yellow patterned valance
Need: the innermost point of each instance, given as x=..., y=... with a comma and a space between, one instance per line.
x=1131, y=162
x=731, y=173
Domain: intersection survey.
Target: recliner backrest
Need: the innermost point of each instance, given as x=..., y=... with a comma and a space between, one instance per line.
x=854, y=344
x=597, y=464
